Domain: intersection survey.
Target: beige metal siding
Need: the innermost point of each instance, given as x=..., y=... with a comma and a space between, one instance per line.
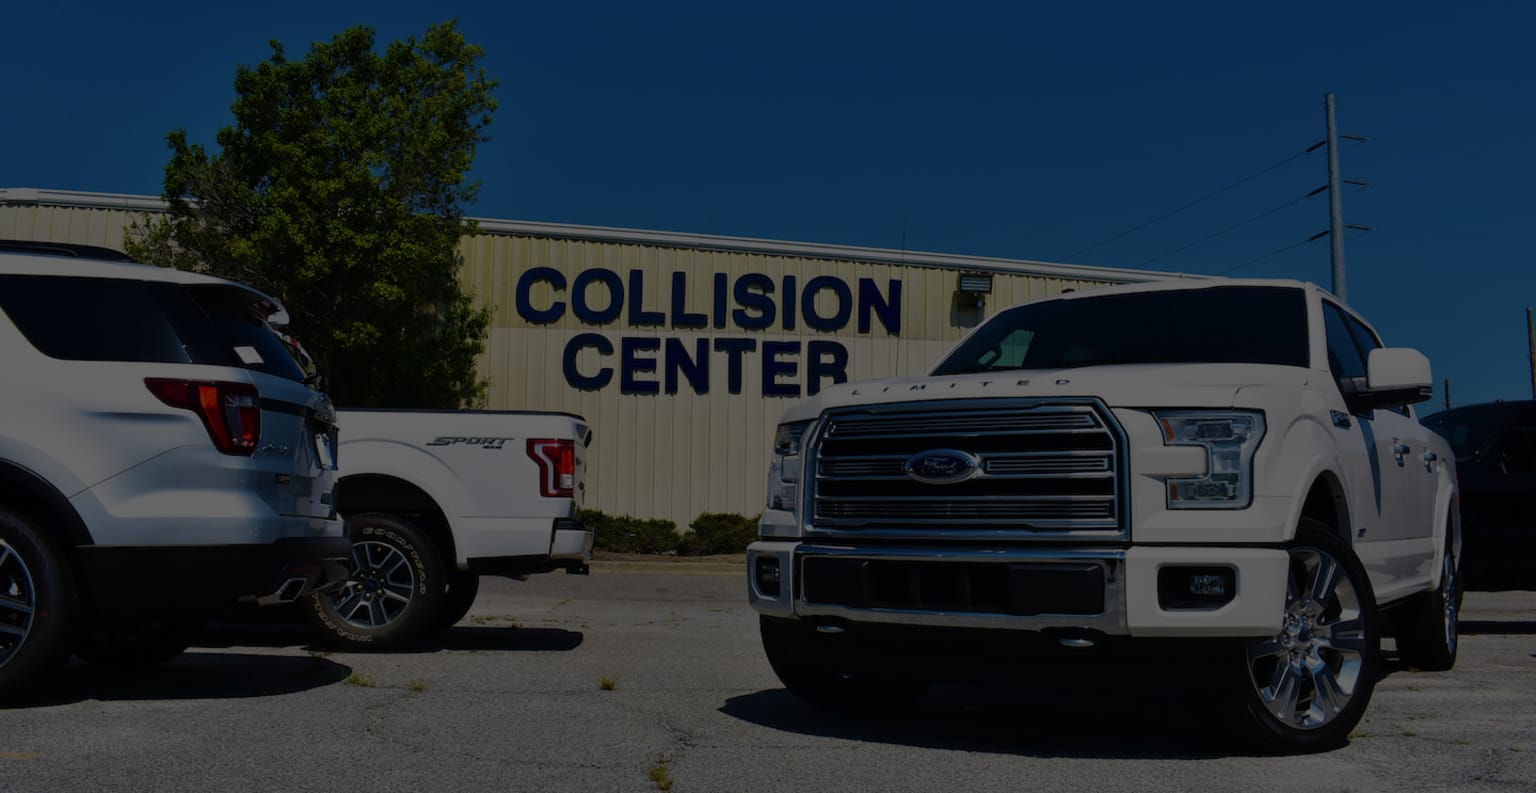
x=677, y=455
x=75, y=225
x=655, y=455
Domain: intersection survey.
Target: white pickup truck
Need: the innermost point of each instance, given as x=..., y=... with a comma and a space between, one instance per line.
x=435, y=499
x=1226, y=471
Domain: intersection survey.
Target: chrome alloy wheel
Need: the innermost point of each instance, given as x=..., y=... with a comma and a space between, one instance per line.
x=381, y=586
x=18, y=601
x=1306, y=674
x=1450, y=585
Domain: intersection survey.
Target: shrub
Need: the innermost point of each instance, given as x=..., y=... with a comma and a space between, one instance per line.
x=718, y=533
x=626, y=534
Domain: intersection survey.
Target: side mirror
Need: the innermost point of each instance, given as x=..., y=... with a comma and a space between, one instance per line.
x=1395, y=376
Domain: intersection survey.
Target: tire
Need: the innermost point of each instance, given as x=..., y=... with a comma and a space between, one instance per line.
x=39, y=605
x=395, y=595
x=1428, y=636
x=463, y=586
x=842, y=691
x=137, y=647
x=1305, y=688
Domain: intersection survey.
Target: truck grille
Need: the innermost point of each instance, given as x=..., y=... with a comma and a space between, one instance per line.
x=1041, y=469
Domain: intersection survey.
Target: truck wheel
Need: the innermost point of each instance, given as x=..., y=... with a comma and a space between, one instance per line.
x=396, y=591
x=463, y=586
x=832, y=690
x=38, y=605
x=1427, y=637
x=1306, y=687
x=138, y=647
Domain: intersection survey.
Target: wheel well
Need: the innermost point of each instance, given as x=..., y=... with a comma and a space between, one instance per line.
x=376, y=493
x=28, y=494
x=1325, y=502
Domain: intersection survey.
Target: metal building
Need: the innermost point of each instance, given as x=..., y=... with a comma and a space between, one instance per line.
x=681, y=349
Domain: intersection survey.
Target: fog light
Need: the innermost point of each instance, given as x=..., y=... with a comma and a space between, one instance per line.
x=768, y=575
x=1195, y=588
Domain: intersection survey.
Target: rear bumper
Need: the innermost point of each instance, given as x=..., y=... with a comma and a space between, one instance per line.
x=570, y=548
x=1097, y=590
x=155, y=581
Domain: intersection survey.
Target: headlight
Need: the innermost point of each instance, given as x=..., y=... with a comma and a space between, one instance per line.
x=785, y=470
x=1230, y=438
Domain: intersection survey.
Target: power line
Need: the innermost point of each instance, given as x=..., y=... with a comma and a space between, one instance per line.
x=1269, y=255
x=1297, y=244
x=1201, y=199
x=1266, y=213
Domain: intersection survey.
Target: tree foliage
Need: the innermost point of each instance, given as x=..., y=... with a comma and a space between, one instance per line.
x=339, y=190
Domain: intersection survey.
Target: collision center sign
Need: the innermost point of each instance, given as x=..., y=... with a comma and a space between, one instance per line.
x=746, y=307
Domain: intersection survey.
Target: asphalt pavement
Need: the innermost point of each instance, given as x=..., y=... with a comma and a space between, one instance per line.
x=641, y=676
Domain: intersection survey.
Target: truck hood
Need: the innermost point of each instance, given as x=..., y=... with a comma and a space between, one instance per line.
x=1199, y=385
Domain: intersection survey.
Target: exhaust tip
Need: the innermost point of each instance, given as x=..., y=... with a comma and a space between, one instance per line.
x=291, y=590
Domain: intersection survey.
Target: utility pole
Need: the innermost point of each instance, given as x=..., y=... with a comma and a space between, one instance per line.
x=1530, y=331
x=1335, y=204
x=1336, y=224
x=1447, y=393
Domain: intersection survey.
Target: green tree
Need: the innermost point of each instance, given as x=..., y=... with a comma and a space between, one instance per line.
x=339, y=190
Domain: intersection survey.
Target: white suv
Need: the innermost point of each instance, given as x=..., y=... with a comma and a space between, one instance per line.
x=162, y=459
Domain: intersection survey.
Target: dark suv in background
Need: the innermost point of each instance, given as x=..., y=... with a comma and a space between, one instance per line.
x=1495, y=446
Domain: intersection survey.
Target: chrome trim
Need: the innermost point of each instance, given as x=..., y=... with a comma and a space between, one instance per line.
x=1113, y=621
x=965, y=424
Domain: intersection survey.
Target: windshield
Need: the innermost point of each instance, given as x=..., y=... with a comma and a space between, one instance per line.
x=1227, y=324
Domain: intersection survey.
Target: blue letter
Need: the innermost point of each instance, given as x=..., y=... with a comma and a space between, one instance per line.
x=773, y=367
x=733, y=348
x=696, y=368
x=889, y=309
x=525, y=309
x=578, y=380
x=839, y=319
x=758, y=301
x=630, y=363
x=615, y=297
x=789, y=302
x=680, y=316
x=816, y=368
x=720, y=294
x=637, y=314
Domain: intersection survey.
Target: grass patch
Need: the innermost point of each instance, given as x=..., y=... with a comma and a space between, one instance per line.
x=362, y=679
x=607, y=683
x=417, y=686
x=660, y=776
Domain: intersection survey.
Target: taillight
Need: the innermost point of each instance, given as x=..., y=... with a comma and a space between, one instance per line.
x=231, y=412
x=557, y=466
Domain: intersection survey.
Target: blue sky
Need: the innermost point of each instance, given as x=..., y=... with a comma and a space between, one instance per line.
x=1027, y=130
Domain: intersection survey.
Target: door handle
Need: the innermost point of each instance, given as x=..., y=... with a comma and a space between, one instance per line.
x=1429, y=461
x=1398, y=451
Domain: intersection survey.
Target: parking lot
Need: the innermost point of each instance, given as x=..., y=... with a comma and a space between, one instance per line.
x=514, y=698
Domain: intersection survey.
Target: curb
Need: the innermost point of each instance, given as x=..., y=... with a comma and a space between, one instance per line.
x=612, y=567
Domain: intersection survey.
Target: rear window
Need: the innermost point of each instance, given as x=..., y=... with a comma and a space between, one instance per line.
x=110, y=319
x=245, y=330
x=1230, y=324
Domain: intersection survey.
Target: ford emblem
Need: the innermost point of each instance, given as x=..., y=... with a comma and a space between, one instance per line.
x=942, y=466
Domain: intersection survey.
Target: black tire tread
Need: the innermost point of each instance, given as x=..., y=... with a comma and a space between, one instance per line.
x=419, y=619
